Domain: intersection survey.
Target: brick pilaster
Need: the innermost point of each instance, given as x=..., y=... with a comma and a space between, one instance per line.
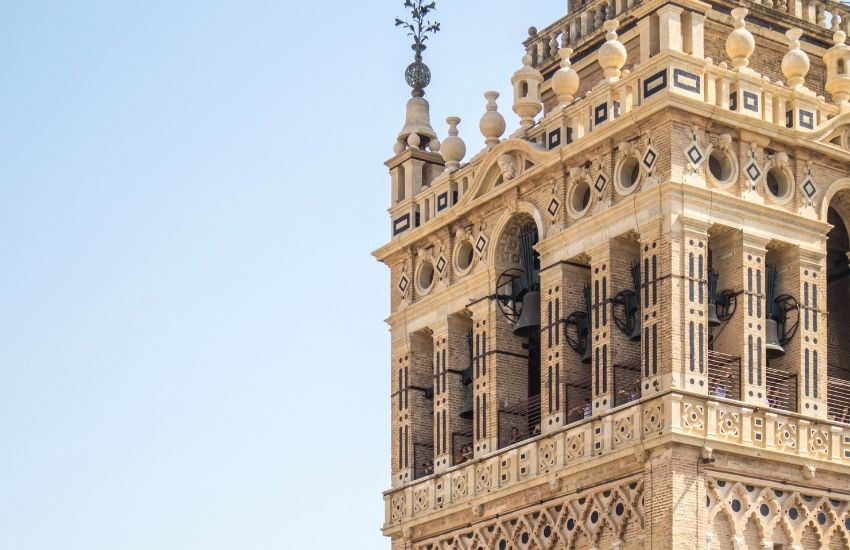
x=452, y=356
x=564, y=379
x=661, y=331
x=693, y=269
x=610, y=273
x=801, y=274
x=739, y=260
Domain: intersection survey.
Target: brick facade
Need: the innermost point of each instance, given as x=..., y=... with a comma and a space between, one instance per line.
x=681, y=431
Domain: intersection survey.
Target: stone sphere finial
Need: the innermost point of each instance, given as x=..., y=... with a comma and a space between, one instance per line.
x=492, y=124
x=454, y=149
x=526, y=83
x=565, y=81
x=740, y=43
x=795, y=63
x=612, y=54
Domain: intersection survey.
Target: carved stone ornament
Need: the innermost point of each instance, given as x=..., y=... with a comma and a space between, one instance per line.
x=780, y=160
x=507, y=164
x=405, y=285
x=426, y=253
x=753, y=173
x=808, y=192
x=628, y=148
x=695, y=156
x=577, y=173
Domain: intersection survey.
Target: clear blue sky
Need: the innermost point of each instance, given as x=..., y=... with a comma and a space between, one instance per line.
x=192, y=347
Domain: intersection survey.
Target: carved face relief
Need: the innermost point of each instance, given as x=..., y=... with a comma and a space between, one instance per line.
x=508, y=167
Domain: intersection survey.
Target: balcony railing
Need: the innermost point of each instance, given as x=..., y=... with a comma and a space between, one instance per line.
x=724, y=375
x=781, y=389
x=461, y=447
x=838, y=399
x=423, y=460
x=574, y=28
x=626, y=384
x=519, y=421
x=578, y=400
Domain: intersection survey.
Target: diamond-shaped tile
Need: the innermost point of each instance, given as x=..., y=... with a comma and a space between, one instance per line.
x=403, y=282
x=649, y=158
x=809, y=187
x=752, y=170
x=481, y=243
x=601, y=181
x=695, y=155
x=553, y=207
x=441, y=264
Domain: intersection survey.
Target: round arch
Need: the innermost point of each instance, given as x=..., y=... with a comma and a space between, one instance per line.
x=842, y=207
x=512, y=219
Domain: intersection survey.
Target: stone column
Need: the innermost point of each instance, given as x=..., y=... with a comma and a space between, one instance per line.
x=562, y=287
x=801, y=274
x=645, y=32
x=739, y=259
x=452, y=356
x=693, y=34
x=670, y=28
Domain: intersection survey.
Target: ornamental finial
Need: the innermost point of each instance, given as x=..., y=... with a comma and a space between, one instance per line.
x=417, y=74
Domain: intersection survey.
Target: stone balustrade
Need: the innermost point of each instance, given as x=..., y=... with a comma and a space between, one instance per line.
x=723, y=424
x=704, y=82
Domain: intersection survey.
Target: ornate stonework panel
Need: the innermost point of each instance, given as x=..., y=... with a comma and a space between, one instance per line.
x=605, y=512
x=777, y=512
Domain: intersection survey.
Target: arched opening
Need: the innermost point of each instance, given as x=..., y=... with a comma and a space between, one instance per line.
x=579, y=200
x=779, y=184
x=415, y=387
x=723, y=531
x=721, y=167
x=464, y=257
x=628, y=174
x=840, y=66
x=523, y=89
x=838, y=314
x=518, y=291
x=425, y=277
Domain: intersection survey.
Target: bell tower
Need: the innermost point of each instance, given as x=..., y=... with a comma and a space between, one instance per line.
x=624, y=324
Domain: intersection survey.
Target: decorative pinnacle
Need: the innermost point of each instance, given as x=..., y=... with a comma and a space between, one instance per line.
x=417, y=74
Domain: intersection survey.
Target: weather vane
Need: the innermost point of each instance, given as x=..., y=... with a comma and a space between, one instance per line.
x=417, y=74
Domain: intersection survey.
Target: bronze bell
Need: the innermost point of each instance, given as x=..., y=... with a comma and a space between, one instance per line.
x=466, y=409
x=634, y=304
x=635, y=335
x=772, y=345
x=528, y=324
x=587, y=359
x=713, y=319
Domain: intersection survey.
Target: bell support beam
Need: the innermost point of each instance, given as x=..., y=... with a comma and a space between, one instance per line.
x=739, y=260
x=562, y=372
x=451, y=357
x=801, y=274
